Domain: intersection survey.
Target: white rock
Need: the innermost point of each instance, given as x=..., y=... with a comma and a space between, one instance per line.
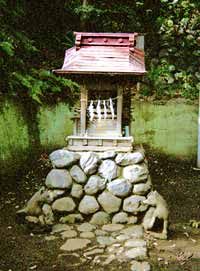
x=58, y=178
x=142, y=188
x=75, y=244
x=112, y=227
x=87, y=234
x=138, y=253
x=77, y=191
x=135, y=231
x=94, y=185
x=100, y=218
x=78, y=175
x=69, y=234
x=86, y=227
x=63, y=158
x=140, y=266
x=126, y=159
x=136, y=173
x=65, y=204
x=60, y=227
x=135, y=243
x=121, y=217
x=120, y=187
x=109, y=202
x=89, y=162
x=107, y=155
x=88, y=205
x=132, y=204
x=108, y=170
x=105, y=240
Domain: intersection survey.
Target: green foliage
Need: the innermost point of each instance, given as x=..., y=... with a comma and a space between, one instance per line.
x=177, y=68
x=20, y=70
x=34, y=34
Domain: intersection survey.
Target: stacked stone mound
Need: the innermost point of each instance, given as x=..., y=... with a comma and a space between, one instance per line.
x=100, y=188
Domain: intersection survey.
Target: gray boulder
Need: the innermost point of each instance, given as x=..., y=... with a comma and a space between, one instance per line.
x=88, y=205
x=138, y=253
x=107, y=155
x=120, y=218
x=77, y=191
x=78, y=175
x=120, y=187
x=89, y=162
x=94, y=184
x=142, y=188
x=58, y=178
x=108, y=170
x=131, y=158
x=109, y=202
x=132, y=204
x=65, y=204
x=140, y=266
x=63, y=158
x=136, y=173
x=100, y=218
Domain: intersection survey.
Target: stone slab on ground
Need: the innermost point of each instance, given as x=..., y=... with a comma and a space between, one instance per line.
x=138, y=253
x=112, y=227
x=140, y=266
x=135, y=231
x=69, y=234
x=75, y=244
x=86, y=227
x=87, y=234
x=105, y=240
x=135, y=243
x=60, y=227
x=94, y=252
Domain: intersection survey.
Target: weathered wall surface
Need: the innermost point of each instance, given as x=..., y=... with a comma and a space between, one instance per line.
x=170, y=128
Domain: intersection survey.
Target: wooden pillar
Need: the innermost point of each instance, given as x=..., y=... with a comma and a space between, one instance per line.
x=84, y=98
x=119, y=110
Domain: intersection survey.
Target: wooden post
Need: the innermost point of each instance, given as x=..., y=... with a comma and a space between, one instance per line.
x=119, y=110
x=84, y=98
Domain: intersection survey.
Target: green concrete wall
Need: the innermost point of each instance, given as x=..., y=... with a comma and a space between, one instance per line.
x=54, y=125
x=169, y=128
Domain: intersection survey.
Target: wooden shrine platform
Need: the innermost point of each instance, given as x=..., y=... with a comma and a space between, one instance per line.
x=95, y=143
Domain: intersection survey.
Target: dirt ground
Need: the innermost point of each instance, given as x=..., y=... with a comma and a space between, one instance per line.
x=175, y=179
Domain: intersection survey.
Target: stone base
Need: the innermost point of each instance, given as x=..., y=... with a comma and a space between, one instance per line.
x=108, y=187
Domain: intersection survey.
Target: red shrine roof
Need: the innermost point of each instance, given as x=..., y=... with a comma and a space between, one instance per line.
x=102, y=53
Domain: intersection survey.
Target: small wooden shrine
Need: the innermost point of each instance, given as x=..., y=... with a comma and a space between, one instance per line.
x=105, y=65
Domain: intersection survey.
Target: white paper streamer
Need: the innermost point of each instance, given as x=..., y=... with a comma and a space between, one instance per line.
x=91, y=111
x=98, y=109
x=112, y=108
x=105, y=109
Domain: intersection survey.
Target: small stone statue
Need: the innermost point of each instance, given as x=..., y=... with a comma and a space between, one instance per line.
x=159, y=210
